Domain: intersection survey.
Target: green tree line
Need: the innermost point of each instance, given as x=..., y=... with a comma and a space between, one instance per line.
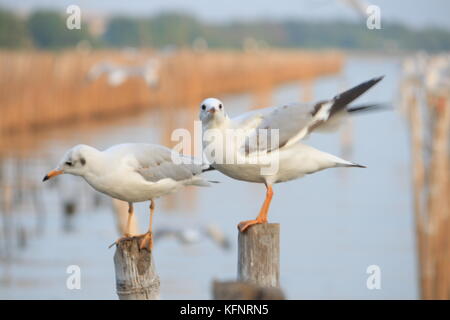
x=47, y=30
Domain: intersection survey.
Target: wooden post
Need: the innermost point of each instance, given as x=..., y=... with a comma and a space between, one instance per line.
x=235, y=290
x=136, y=277
x=259, y=255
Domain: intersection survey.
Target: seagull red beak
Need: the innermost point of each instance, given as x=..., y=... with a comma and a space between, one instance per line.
x=52, y=174
x=212, y=110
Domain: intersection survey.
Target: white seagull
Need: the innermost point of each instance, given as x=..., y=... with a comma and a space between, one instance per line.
x=132, y=172
x=250, y=156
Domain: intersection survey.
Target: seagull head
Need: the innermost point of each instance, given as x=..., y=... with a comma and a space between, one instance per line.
x=212, y=109
x=75, y=161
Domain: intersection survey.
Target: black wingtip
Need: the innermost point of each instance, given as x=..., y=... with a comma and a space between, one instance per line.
x=210, y=168
x=374, y=81
x=358, y=165
x=364, y=86
x=378, y=79
x=369, y=107
x=346, y=97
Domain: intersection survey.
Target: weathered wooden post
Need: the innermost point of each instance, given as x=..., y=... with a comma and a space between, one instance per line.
x=258, y=266
x=236, y=290
x=259, y=255
x=136, y=277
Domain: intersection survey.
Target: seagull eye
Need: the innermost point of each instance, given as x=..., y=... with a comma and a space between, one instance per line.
x=69, y=163
x=220, y=106
x=203, y=107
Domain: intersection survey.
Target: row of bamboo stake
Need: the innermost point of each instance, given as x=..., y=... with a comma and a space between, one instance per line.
x=41, y=90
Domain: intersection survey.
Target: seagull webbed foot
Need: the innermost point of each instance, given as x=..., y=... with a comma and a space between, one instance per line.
x=146, y=241
x=126, y=236
x=244, y=225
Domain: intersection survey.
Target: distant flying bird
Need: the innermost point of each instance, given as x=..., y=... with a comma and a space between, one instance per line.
x=359, y=6
x=255, y=151
x=132, y=172
x=118, y=74
x=191, y=235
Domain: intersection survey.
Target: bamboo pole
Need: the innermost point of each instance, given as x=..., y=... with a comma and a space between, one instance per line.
x=259, y=255
x=136, y=277
x=418, y=168
x=429, y=119
x=437, y=200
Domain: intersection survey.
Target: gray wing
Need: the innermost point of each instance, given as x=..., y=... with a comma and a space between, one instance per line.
x=276, y=126
x=293, y=122
x=155, y=163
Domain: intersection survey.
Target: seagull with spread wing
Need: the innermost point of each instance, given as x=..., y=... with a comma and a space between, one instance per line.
x=292, y=123
x=132, y=172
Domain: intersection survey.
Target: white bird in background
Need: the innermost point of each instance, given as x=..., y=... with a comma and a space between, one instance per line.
x=132, y=172
x=188, y=235
x=292, y=123
x=118, y=74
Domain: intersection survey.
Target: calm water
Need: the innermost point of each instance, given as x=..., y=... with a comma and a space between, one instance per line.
x=334, y=223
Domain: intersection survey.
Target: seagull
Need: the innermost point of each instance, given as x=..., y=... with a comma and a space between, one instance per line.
x=132, y=172
x=248, y=157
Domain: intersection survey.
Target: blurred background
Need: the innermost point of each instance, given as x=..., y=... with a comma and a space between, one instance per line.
x=136, y=71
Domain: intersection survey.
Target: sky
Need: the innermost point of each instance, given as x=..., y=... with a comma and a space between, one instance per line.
x=415, y=13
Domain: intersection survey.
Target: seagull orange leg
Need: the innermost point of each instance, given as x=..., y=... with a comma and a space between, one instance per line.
x=127, y=234
x=130, y=215
x=147, y=240
x=263, y=213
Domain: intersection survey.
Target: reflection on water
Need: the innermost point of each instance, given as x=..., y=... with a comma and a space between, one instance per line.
x=334, y=223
